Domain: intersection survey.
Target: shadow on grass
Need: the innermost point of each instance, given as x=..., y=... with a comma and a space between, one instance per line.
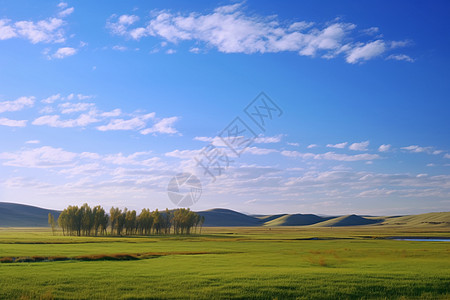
x=105, y=257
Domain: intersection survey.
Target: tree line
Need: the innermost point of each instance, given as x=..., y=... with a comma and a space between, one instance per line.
x=87, y=221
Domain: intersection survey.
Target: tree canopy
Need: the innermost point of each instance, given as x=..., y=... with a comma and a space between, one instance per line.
x=95, y=221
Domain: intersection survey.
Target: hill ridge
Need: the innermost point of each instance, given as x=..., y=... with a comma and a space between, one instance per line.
x=23, y=215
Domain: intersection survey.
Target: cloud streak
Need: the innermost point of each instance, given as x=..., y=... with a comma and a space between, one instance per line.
x=230, y=29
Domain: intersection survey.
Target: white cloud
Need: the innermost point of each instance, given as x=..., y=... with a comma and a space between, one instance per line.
x=137, y=159
x=268, y=139
x=163, y=126
x=32, y=142
x=203, y=138
x=120, y=27
x=66, y=12
x=69, y=107
x=312, y=146
x=43, y=31
x=64, y=52
x=12, y=123
x=16, y=105
x=447, y=155
x=231, y=30
x=55, y=121
x=331, y=156
x=399, y=44
x=114, y=113
x=293, y=144
x=259, y=151
x=416, y=149
x=345, y=157
x=384, y=148
x=138, y=122
x=62, y=5
x=366, y=52
x=44, y=157
x=51, y=99
x=84, y=97
x=371, y=30
x=6, y=31
x=403, y=57
x=119, y=48
x=183, y=154
x=338, y=146
x=46, y=110
x=359, y=146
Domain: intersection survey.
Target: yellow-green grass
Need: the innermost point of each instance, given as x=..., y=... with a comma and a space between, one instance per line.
x=241, y=263
x=349, y=220
x=423, y=220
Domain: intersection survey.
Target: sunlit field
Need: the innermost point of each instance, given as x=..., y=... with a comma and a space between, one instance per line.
x=239, y=263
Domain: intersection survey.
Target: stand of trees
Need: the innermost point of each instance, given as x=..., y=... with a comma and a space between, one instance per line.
x=89, y=221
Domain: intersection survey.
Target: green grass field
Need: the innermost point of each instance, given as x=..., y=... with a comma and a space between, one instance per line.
x=239, y=263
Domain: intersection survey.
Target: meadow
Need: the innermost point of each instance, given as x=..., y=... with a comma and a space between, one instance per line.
x=231, y=263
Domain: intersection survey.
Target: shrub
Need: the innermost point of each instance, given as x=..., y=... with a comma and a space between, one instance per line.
x=6, y=260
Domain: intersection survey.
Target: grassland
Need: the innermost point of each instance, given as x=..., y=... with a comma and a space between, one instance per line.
x=240, y=263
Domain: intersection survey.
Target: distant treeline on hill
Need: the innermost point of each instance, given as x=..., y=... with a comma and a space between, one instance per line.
x=95, y=221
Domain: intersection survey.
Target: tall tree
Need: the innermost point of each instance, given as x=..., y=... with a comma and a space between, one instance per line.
x=51, y=222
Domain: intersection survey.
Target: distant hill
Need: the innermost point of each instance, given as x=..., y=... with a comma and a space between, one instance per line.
x=296, y=220
x=20, y=215
x=226, y=217
x=349, y=220
x=429, y=219
x=267, y=218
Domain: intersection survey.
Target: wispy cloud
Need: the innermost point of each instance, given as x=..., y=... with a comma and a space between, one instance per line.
x=366, y=51
x=331, y=156
x=56, y=121
x=359, y=146
x=66, y=12
x=417, y=149
x=138, y=122
x=163, y=126
x=48, y=30
x=231, y=30
x=338, y=146
x=44, y=157
x=268, y=139
x=384, y=148
x=13, y=123
x=69, y=107
x=16, y=105
x=32, y=142
x=64, y=52
x=403, y=57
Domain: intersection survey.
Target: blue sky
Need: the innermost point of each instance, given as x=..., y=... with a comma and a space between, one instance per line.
x=104, y=102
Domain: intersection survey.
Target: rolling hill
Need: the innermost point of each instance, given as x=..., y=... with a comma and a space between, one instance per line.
x=349, y=220
x=295, y=220
x=428, y=219
x=20, y=215
x=226, y=217
x=267, y=218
